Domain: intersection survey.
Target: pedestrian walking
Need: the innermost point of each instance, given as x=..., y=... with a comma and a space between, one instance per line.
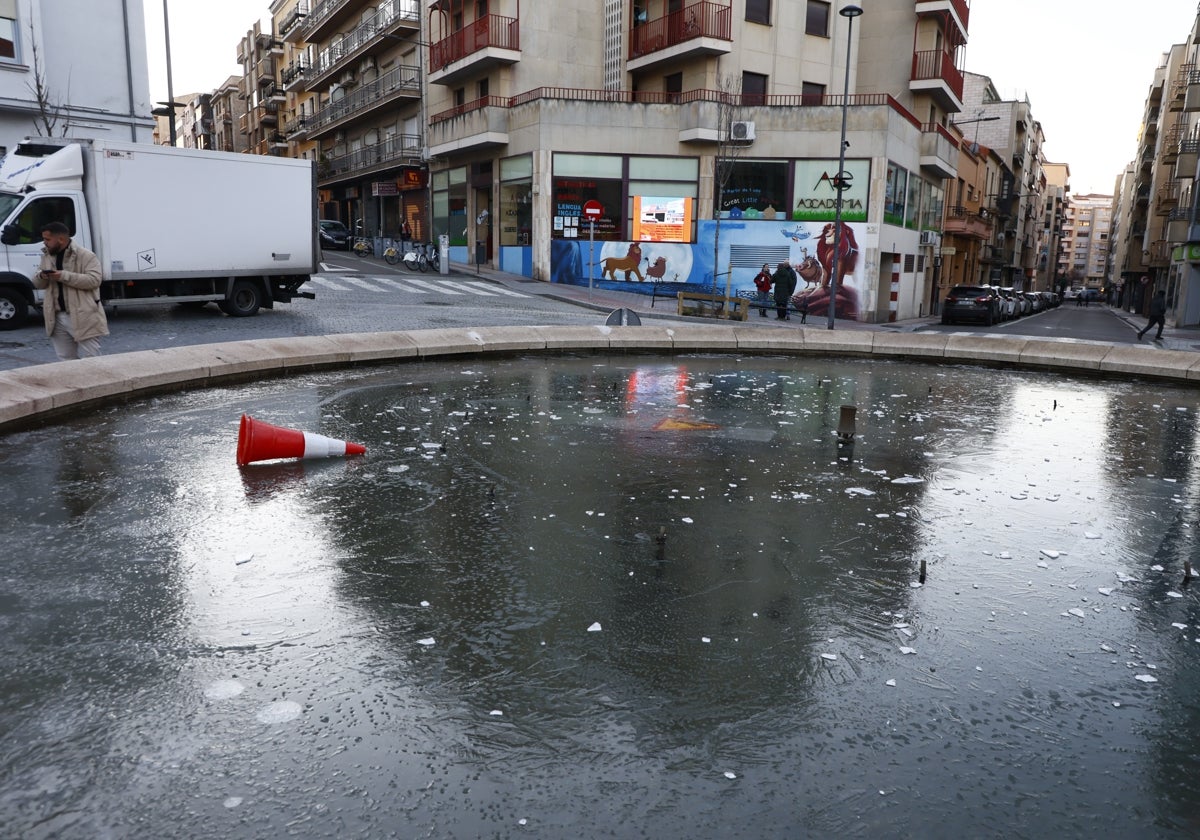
x=71, y=276
x=1158, y=314
x=762, y=282
x=785, y=285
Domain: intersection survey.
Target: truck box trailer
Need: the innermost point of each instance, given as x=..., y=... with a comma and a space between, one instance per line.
x=169, y=225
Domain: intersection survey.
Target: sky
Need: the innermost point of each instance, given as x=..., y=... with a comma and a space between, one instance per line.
x=1085, y=66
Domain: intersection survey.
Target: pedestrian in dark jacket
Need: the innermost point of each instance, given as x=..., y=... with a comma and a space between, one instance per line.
x=785, y=285
x=1158, y=314
x=763, y=282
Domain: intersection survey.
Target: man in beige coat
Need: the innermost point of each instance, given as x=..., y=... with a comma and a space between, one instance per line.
x=71, y=276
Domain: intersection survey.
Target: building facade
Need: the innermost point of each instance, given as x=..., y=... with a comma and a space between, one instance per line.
x=77, y=75
x=354, y=83
x=707, y=131
x=1054, y=215
x=1085, y=247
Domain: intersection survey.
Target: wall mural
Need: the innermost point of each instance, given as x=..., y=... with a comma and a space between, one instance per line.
x=663, y=268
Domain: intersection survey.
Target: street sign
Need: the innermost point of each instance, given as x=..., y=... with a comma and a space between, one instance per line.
x=592, y=209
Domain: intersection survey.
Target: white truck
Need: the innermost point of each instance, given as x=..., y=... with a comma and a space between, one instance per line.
x=169, y=225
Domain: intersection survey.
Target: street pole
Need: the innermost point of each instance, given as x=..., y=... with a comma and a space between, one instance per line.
x=170, y=84
x=849, y=12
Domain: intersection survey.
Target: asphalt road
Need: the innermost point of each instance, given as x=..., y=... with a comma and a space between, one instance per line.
x=353, y=295
x=1091, y=323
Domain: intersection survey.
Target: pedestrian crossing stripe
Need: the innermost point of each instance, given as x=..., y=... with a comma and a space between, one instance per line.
x=411, y=285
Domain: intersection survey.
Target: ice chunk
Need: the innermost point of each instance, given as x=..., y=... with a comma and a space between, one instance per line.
x=399, y=468
x=496, y=713
x=1051, y=553
x=1090, y=535
x=1042, y=564
x=832, y=657
x=595, y=627
x=1105, y=590
x=243, y=559
x=1146, y=678
x=908, y=479
x=1107, y=649
x=279, y=712
x=427, y=641
x=424, y=603
x=891, y=683
x=907, y=650
x=705, y=639
x=1156, y=568
x=1173, y=594
x=232, y=801
x=1003, y=555
x=1078, y=613
x=729, y=774
x=223, y=690
x=687, y=520
x=859, y=491
x=1178, y=626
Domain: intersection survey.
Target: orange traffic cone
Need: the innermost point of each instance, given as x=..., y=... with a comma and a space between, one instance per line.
x=259, y=441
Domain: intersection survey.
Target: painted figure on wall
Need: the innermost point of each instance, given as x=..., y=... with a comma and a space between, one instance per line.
x=630, y=264
x=846, y=298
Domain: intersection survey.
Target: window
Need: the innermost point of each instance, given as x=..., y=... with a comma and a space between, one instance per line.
x=8, y=30
x=754, y=88
x=817, y=22
x=460, y=97
x=41, y=212
x=758, y=11
x=755, y=189
x=812, y=93
x=673, y=85
x=483, y=88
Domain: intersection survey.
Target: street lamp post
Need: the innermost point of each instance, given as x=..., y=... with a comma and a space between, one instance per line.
x=843, y=180
x=170, y=87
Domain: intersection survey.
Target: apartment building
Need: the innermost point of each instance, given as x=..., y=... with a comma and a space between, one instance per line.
x=90, y=70
x=259, y=54
x=1054, y=215
x=354, y=84
x=1008, y=127
x=1085, y=238
x=654, y=108
x=228, y=108
x=971, y=219
x=1155, y=207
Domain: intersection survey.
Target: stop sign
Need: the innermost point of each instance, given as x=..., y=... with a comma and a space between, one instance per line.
x=592, y=209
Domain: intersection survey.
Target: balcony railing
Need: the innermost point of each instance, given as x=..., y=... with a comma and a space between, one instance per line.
x=468, y=107
x=488, y=31
x=395, y=148
x=961, y=7
x=700, y=20
x=319, y=14
x=930, y=65
x=295, y=73
x=388, y=13
x=298, y=13
x=402, y=79
x=963, y=222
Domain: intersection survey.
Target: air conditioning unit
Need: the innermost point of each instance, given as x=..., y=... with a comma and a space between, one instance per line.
x=741, y=131
x=347, y=79
x=367, y=64
x=931, y=238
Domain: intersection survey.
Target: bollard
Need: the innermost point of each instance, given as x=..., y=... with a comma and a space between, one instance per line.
x=845, y=429
x=922, y=578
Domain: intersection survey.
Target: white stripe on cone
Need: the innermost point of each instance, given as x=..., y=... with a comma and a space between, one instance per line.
x=319, y=446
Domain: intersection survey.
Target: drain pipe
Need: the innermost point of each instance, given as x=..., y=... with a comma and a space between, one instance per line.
x=129, y=71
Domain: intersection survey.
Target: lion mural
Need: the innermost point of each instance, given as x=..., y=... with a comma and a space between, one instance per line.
x=630, y=264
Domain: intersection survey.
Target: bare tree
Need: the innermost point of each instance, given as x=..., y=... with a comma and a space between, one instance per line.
x=52, y=117
x=729, y=149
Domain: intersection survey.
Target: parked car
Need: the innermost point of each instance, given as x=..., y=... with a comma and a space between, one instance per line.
x=334, y=235
x=1020, y=302
x=1035, y=301
x=972, y=303
x=1009, y=308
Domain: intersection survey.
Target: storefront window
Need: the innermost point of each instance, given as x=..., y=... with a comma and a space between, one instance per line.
x=913, y=207
x=815, y=192
x=450, y=205
x=932, y=205
x=755, y=189
x=895, y=195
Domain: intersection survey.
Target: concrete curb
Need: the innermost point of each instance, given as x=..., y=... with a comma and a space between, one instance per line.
x=44, y=392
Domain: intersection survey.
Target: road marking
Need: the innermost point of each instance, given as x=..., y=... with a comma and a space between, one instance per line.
x=431, y=287
x=509, y=292
x=326, y=283
x=362, y=284
x=473, y=289
x=330, y=267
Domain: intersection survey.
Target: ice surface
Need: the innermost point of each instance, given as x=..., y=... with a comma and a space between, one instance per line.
x=908, y=479
x=223, y=689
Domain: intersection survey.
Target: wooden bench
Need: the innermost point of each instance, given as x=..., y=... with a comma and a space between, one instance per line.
x=752, y=302
x=719, y=306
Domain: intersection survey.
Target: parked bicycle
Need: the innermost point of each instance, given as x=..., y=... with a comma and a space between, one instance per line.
x=418, y=259
x=391, y=254
x=363, y=246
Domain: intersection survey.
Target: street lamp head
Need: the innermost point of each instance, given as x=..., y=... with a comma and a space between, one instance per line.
x=851, y=11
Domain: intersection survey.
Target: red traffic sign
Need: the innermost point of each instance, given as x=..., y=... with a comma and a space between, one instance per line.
x=593, y=209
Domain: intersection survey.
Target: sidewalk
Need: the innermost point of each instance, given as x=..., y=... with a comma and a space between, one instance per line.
x=661, y=307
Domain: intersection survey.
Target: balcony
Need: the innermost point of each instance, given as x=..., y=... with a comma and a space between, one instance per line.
x=1160, y=254
x=957, y=10
x=1189, y=156
x=268, y=113
x=394, y=151
x=1178, y=224
x=960, y=221
x=1171, y=140
x=485, y=43
x=337, y=58
x=475, y=125
x=1175, y=102
x=934, y=73
x=244, y=124
x=289, y=27
x=1167, y=198
x=1191, y=94
x=295, y=74
x=939, y=152
x=264, y=71
x=703, y=28
x=399, y=83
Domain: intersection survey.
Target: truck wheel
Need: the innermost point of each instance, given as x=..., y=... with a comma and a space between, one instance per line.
x=13, y=309
x=244, y=300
